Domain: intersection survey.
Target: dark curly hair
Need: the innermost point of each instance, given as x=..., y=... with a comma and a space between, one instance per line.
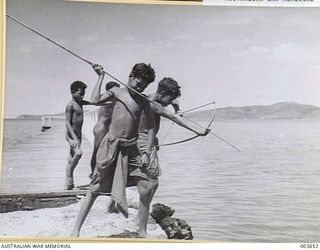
x=77, y=85
x=110, y=85
x=168, y=86
x=143, y=71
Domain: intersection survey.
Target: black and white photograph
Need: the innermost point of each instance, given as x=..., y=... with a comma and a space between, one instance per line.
x=161, y=121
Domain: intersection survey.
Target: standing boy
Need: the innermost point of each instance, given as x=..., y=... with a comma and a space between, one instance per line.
x=101, y=127
x=118, y=159
x=74, y=121
x=167, y=92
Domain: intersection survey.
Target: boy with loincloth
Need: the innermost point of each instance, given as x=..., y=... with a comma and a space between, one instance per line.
x=101, y=127
x=74, y=121
x=118, y=160
x=167, y=92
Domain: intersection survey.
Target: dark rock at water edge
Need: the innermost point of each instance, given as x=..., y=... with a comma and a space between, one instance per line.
x=174, y=228
x=125, y=234
x=161, y=211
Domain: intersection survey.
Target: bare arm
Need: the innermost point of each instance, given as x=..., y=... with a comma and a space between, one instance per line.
x=84, y=102
x=103, y=99
x=96, y=93
x=151, y=126
x=178, y=119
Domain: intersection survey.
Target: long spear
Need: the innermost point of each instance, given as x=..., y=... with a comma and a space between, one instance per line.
x=50, y=40
x=74, y=54
x=87, y=61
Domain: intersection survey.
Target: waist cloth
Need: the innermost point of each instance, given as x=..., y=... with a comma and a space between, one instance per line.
x=117, y=165
x=153, y=170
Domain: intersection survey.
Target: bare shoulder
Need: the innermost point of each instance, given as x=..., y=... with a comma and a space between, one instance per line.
x=74, y=107
x=115, y=91
x=70, y=106
x=157, y=108
x=145, y=101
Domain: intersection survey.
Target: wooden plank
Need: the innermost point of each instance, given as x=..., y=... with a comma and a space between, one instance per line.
x=64, y=193
x=30, y=201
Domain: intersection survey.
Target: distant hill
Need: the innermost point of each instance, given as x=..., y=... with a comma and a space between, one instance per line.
x=38, y=117
x=281, y=110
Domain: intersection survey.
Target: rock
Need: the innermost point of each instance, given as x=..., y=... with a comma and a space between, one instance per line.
x=161, y=211
x=174, y=228
x=126, y=234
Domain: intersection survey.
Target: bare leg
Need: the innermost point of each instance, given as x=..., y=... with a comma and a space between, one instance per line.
x=99, y=132
x=73, y=160
x=93, y=160
x=85, y=208
x=146, y=190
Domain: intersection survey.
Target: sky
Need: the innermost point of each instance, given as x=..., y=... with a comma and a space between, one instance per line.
x=235, y=56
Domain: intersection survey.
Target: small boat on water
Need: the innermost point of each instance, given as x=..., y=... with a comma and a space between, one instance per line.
x=46, y=123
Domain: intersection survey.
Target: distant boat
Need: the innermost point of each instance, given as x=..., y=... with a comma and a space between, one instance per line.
x=46, y=123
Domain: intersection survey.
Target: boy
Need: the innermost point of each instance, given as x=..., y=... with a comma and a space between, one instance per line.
x=74, y=121
x=118, y=160
x=167, y=92
x=101, y=128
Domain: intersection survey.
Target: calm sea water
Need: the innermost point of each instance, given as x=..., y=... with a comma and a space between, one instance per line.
x=268, y=192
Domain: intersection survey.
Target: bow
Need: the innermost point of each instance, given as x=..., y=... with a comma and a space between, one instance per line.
x=177, y=142
x=192, y=137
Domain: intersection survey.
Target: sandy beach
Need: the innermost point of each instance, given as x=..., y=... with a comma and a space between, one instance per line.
x=59, y=222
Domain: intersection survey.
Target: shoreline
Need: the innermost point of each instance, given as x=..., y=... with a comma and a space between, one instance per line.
x=59, y=222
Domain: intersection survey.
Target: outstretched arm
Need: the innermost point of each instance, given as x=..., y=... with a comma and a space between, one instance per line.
x=179, y=120
x=84, y=102
x=106, y=97
x=151, y=126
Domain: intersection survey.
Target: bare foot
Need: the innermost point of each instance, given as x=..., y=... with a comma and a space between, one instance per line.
x=142, y=234
x=69, y=185
x=112, y=208
x=75, y=234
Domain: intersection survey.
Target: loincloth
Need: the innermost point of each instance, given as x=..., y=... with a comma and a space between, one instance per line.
x=153, y=170
x=117, y=165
